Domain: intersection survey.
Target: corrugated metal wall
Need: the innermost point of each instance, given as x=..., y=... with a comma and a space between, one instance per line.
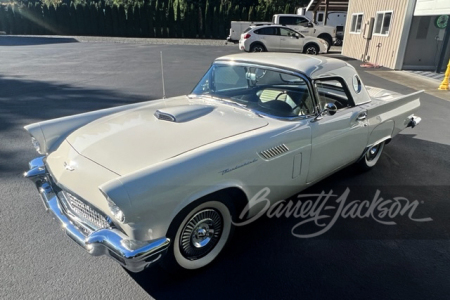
x=355, y=45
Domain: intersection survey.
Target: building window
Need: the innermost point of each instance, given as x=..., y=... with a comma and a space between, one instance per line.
x=356, y=23
x=382, y=23
x=320, y=17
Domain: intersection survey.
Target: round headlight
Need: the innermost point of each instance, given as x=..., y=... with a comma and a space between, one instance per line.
x=36, y=144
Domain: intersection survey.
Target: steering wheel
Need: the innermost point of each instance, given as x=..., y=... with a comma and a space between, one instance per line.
x=280, y=94
x=287, y=95
x=296, y=104
x=279, y=106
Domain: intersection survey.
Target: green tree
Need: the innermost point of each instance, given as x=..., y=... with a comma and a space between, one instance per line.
x=109, y=21
x=163, y=19
x=3, y=18
x=18, y=20
x=151, y=12
x=115, y=19
x=129, y=20
x=73, y=24
x=216, y=22
x=63, y=18
x=157, y=22
x=143, y=20
x=9, y=17
x=93, y=19
x=179, y=22
x=79, y=16
x=101, y=19
x=171, y=26
x=208, y=20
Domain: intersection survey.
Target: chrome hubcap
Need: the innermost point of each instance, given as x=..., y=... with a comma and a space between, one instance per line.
x=311, y=50
x=372, y=153
x=258, y=49
x=201, y=234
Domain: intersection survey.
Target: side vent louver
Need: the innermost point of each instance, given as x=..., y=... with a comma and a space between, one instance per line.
x=164, y=116
x=274, y=151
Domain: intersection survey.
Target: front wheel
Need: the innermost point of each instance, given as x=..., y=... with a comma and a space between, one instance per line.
x=199, y=234
x=311, y=49
x=371, y=157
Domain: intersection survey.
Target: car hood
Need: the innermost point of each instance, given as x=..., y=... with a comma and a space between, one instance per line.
x=328, y=28
x=130, y=140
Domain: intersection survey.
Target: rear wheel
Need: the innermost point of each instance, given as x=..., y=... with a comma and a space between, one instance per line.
x=257, y=48
x=311, y=49
x=371, y=157
x=199, y=234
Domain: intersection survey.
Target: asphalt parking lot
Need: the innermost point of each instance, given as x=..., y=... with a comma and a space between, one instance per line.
x=48, y=78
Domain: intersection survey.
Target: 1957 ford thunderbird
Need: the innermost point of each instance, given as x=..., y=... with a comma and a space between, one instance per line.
x=164, y=180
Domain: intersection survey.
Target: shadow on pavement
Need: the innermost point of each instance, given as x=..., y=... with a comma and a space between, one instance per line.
x=29, y=41
x=354, y=257
x=27, y=101
x=24, y=99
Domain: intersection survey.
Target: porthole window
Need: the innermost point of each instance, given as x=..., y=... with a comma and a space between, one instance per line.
x=356, y=84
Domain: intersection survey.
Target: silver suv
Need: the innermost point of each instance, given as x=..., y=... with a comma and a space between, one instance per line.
x=280, y=39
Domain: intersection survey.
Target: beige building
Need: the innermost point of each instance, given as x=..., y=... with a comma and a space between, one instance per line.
x=399, y=34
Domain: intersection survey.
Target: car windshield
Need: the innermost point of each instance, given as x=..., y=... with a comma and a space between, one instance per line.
x=258, y=88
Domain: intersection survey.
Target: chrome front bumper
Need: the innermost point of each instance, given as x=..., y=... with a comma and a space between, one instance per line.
x=133, y=255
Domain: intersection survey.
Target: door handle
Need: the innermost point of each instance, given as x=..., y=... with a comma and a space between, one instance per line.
x=362, y=116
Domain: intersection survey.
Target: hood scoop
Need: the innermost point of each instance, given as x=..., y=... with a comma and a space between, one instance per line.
x=185, y=113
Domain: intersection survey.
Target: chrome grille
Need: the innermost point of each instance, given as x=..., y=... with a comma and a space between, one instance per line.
x=274, y=151
x=85, y=212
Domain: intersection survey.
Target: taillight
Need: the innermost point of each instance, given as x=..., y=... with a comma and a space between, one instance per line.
x=247, y=36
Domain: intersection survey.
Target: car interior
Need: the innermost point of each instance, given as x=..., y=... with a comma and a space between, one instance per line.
x=270, y=92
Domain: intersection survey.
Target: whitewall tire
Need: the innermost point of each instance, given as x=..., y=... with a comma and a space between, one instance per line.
x=372, y=156
x=200, y=236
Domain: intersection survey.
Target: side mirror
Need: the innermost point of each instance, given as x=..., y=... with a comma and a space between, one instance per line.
x=330, y=108
x=297, y=35
x=310, y=25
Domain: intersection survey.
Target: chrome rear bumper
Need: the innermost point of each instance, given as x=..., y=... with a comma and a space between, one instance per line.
x=133, y=255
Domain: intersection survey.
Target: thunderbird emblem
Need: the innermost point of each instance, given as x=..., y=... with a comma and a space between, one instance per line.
x=68, y=167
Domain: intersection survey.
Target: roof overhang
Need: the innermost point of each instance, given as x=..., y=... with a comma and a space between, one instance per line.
x=333, y=5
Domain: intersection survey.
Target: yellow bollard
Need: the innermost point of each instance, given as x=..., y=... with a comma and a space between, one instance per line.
x=444, y=84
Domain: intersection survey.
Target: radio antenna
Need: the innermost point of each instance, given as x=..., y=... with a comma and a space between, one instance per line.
x=162, y=75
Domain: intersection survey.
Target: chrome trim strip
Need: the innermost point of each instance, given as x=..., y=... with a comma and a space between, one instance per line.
x=110, y=242
x=274, y=151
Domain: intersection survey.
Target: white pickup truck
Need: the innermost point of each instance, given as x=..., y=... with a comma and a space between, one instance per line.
x=297, y=22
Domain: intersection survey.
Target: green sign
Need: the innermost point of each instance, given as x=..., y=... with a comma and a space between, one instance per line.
x=441, y=21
